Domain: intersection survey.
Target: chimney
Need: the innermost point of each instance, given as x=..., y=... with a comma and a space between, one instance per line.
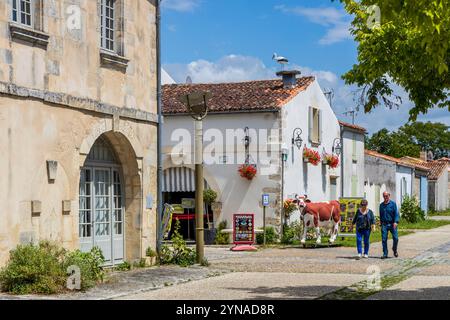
x=423, y=156
x=289, y=78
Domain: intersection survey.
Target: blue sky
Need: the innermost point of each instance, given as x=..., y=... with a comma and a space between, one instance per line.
x=233, y=40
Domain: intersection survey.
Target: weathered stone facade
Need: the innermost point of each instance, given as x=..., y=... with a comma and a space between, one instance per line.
x=59, y=92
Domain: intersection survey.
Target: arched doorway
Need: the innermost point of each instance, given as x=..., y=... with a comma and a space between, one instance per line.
x=102, y=203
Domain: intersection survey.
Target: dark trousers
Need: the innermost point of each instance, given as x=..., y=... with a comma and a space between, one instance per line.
x=360, y=234
x=385, y=229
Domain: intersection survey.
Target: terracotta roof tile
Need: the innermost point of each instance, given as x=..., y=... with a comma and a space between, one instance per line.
x=437, y=167
x=402, y=162
x=239, y=96
x=353, y=126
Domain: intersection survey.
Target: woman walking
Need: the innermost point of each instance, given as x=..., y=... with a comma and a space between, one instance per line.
x=365, y=223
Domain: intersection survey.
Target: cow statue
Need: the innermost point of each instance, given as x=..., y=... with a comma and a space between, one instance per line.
x=326, y=215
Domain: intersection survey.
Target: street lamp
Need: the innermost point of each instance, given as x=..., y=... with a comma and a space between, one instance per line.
x=297, y=138
x=197, y=107
x=337, y=146
x=284, y=158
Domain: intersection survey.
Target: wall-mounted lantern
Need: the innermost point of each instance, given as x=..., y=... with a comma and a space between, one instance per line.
x=52, y=168
x=297, y=138
x=247, y=138
x=337, y=147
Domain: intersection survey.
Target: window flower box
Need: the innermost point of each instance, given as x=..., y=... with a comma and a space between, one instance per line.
x=311, y=156
x=331, y=160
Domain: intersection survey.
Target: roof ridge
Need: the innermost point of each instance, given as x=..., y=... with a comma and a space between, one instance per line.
x=234, y=82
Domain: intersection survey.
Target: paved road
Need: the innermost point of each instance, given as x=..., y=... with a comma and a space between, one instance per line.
x=422, y=271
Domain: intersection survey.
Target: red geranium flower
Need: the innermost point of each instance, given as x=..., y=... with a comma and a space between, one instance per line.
x=312, y=155
x=247, y=171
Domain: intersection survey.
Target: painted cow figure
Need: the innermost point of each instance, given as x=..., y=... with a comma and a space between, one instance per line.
x=318, y=215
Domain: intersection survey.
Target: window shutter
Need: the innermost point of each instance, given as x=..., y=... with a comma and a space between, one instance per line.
x=310, y=124
x=320, y=127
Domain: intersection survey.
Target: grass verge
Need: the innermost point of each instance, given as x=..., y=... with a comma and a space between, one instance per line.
x=440, y=213
x=423, y=225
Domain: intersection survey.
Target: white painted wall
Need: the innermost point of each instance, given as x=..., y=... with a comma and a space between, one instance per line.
x=374, y=195
x=304, y=178
x=403, y=173
x=238, y=195
x=353, y=161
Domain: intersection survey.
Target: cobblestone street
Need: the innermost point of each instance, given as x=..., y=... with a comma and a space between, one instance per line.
x=421, y=272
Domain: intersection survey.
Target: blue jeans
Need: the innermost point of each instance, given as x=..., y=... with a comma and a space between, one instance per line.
x=385, y=229
x=360, y=234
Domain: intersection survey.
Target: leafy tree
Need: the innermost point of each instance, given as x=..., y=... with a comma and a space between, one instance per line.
x=429, y=136
x=410, y=139
x=410, y=47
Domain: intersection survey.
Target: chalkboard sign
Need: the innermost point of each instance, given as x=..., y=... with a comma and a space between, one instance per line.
x=243, y=228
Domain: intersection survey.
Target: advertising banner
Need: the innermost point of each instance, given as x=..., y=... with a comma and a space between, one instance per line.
x=349, y=206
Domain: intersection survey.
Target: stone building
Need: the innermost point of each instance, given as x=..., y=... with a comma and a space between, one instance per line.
x=78, y=125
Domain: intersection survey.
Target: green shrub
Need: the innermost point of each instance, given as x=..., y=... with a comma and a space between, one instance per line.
x=90, y=264
x=221, y=238
x=291, y=233
x=178, y=253
x=150, y=252
x=271, y=236
x=124, y=266
x=209, y=196
x=34, y=269
x=411, y=211
x=140, y=264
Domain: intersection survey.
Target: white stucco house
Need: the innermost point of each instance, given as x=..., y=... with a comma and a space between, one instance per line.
x=352, y=170
x=399, y=177
x=258, y=123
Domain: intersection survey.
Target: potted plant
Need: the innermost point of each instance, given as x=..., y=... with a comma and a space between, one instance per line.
x=289, y=206
x=209, y=196
x=331, y=160
x=248, y=171
x=311, y=156
x=150, y=255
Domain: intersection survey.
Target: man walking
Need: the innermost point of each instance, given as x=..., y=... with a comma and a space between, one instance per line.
x=389, y=218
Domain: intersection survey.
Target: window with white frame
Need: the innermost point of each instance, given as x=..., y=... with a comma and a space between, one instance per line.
x=315, y=125
x=22, y=12
x=108, y=22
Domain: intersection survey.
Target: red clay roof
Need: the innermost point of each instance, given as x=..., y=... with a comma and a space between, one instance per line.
x=353, y=126
x=402, y=162
x=437, y=167
x=262, y=95
x=416, y=162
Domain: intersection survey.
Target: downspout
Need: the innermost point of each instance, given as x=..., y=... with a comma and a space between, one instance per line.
x=342, y=159
x=159, y=128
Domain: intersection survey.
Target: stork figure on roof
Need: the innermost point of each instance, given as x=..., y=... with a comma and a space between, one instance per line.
x=281, y=60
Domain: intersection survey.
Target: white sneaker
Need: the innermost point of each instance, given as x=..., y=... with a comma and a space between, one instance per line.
x=366, y=256
x=358, y=257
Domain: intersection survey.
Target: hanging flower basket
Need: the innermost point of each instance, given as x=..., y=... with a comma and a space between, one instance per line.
x=331, y=160
x=311, y=156
x=248, y=171
x=289, y=206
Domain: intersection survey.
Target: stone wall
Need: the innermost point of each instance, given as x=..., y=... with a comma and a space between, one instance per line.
x=55, y=101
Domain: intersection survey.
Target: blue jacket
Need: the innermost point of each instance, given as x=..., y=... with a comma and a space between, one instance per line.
x=364, y=222
x=389, y=212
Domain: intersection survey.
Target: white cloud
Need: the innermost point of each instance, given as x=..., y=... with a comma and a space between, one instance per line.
x=235, y=68
x=337, y=21
x=180, y=5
